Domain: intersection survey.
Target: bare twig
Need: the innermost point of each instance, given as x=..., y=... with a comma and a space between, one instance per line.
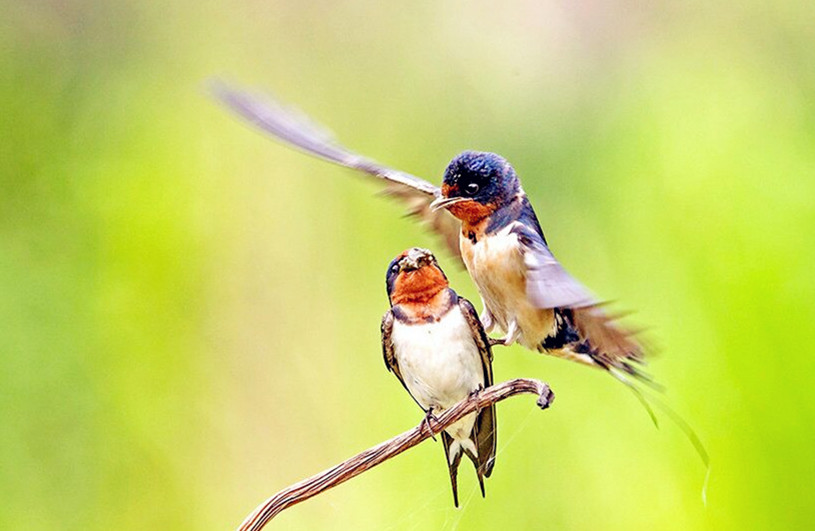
x=373, y=456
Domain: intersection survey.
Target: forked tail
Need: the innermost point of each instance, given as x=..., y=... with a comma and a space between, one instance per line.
x=647, y=399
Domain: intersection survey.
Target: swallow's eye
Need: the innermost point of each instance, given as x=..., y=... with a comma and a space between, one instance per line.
x=395, y=268
x=471, y=188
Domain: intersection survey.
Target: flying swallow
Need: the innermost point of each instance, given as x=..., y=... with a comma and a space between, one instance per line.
x=434, y=343
x=485, y=218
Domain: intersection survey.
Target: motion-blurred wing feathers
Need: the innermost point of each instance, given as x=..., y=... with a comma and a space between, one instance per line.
x=295, y=129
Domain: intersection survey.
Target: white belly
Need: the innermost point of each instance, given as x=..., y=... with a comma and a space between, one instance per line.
x=440, y=364
x=497, y=267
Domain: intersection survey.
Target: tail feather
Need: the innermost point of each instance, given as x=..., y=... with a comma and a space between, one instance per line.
x=631, y=367
x=478, y=471
x=486, y=435
x=453, y=460
x=637, y=393
x=647, y=399
x=479, y=448
x=592, y=336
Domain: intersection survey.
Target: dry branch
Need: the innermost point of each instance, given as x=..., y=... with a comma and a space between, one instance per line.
x=373, y=456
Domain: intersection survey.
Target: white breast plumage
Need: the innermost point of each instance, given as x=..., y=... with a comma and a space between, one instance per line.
x=440, y=364
x=496, y=263
x=439, y=361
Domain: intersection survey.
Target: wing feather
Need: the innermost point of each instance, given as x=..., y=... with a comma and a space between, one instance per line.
x=614, y=344
x=485, y=430
x=548, y=284
x=295, y=129
x=387, y=348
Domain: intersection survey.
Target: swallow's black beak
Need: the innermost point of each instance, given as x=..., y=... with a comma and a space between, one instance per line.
x=446, y=202
x=416, y=259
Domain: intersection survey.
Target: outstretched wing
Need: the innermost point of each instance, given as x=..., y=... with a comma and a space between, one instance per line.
x=297, y=130
x=615, y=345
x=549, y=285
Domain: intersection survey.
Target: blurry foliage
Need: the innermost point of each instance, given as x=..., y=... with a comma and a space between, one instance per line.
x=190, y=313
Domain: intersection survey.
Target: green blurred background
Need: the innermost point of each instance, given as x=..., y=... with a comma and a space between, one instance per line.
x=189, y=313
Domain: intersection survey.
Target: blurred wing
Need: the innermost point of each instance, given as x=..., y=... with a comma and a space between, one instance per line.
x=295, y=129
x=549, y=285
x=612, y=342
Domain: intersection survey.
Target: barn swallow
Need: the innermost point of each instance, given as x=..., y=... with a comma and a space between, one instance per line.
x=486, y=219
x=526, y=293
x=434, y=343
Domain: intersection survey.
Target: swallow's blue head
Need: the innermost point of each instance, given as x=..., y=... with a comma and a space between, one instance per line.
x=476, y=184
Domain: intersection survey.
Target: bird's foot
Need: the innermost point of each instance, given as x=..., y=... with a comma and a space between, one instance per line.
x=512, y=334
x=487, y=320
x=475, y=391
x=426, y=422
x=508, y=339
x=496, y=341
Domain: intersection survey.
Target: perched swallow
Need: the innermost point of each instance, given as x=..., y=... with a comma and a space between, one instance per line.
x=525, y=291
x=434, y=343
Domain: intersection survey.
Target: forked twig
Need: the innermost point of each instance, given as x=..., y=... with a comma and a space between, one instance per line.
x=382, y=452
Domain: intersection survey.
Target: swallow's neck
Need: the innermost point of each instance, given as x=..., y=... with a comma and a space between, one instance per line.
x=419, y=286
x=472, y=211
x=498, y=219
x=426, y=310
x=515, y=209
